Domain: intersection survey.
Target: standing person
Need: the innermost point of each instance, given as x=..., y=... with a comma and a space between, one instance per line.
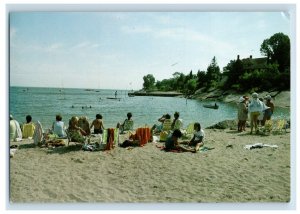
x=28, y=127
x=255, y=108
x=262, y=113
x=270, y=110
x=116, y=93
x=15, y=132
x=242, y=114
x=58, y=126
x=98, y=124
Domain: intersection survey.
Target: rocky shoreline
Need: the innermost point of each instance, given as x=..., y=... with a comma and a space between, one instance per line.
x=281, y=98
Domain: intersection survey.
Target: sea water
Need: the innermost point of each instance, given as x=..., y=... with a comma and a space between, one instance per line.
x=43, y=104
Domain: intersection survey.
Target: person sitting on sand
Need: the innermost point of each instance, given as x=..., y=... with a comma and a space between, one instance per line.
x=177, y=123
x=98, y=124
x=166, y=124
x=28, y=127
x=58, y=126
x=76, y=133
x=15, y=132
x=157, y=128
x=127, y=124
x=172, y=140
x=84, y=124
x=196, y=141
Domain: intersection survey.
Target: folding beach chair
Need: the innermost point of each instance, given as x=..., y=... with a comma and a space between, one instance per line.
x=267, y=128
x=167, y=124
x=178, y=124
x=105, y=139
x=188, y=131
x=75, y=139
x=279, y=126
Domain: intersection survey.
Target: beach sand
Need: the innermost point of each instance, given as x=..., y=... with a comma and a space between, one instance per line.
x=227, y=173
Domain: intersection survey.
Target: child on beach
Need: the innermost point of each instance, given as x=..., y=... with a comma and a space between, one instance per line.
x=197, y=140
x=98, y=124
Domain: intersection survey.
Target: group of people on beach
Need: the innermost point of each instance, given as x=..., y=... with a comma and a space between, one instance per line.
x=259, y=110
x=169, y=131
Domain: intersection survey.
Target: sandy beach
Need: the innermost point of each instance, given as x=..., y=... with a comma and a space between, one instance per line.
x=227, y=173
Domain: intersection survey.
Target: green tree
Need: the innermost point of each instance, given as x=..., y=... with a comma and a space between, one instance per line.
x=213, y=72
x=201, y=79
x=191, y=86
x=277, y=49
x=233, y=70
x=149, y=81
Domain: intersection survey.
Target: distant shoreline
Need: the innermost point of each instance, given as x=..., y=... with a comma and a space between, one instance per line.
x=156, y=93
x=281, y=98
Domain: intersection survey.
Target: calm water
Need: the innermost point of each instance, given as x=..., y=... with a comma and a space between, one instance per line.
x=44, y=103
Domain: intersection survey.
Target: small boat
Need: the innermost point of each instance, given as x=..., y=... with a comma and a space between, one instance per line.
x=113, y=98
x=215, y=106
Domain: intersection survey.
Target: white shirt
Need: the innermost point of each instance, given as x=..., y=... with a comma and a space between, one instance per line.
x=199, y=135
x=58, y=128
x=255, y=106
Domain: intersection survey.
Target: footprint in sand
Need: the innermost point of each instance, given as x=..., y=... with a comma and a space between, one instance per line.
x=78, y=160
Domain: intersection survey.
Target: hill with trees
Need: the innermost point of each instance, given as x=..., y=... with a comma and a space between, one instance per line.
x=269, y=73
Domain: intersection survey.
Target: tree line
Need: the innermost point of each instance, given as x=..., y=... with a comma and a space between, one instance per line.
x=271, y=72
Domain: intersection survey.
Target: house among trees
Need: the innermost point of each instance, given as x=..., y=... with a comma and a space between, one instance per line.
x=251, y=64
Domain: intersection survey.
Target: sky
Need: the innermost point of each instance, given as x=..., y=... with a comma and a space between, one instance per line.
x=114, y=50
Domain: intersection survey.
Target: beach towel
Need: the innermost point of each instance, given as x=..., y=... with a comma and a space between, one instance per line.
x=177, y=150
x=259, y=146
x=205, y=148
x=143, y=135
x=89, y=147
x=110, y=139
x=55, y=143
x=12, y=152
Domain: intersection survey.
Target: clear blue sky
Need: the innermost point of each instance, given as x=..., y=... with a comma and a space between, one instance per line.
x=114, y=50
